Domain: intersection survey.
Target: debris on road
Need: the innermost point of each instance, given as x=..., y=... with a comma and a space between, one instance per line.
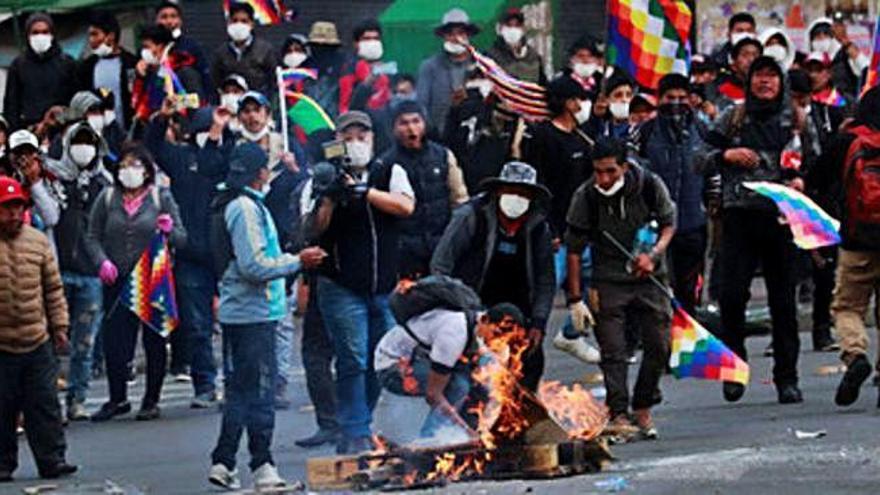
x=809, y=435
x=612, y=485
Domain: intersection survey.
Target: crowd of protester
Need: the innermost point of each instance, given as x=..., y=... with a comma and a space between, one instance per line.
x=439, y=177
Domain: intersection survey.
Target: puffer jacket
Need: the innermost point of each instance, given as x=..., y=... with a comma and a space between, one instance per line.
x=32, y=304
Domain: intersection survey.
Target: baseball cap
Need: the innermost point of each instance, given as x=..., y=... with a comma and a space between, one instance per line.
x=23, y=137
x=10, y=190
x=818, y=58
x=351, y=118
x=237, y=80
x=255, y=96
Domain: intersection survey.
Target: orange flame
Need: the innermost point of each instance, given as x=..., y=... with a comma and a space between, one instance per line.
x=574, y=409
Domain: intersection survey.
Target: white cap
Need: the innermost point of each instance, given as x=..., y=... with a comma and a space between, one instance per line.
x=22, y=137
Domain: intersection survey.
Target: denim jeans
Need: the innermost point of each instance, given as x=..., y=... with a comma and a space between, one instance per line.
x=456, y=390
x=85, y=305
x=356, y=323
x=284, y=350
x=196, y=285
x=250, y=393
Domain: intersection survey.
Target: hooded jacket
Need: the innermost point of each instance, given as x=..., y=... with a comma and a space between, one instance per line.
x=35, y=83
x=791, y=49
x=80, y=187
x=766, y=128
x=845, y=73
x=466, y=248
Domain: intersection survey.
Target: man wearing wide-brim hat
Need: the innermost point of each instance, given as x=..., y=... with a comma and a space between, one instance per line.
x=443, y=74
x=500, y=244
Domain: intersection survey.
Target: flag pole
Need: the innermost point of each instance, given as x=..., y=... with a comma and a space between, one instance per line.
x=663, y=287
x=282, y=102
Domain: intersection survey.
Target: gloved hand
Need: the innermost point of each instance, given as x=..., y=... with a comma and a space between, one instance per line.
x=165, y=223
x=108, y=272
x=581, y=317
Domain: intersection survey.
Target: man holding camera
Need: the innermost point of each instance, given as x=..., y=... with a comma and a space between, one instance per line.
x=355, y=214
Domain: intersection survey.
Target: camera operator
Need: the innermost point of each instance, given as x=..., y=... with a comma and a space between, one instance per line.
x=354, y=213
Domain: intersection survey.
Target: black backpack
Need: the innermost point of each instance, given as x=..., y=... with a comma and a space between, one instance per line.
x=218, y=235
x=434, y=292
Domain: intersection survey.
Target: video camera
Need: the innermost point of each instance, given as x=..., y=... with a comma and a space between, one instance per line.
x=329, y=176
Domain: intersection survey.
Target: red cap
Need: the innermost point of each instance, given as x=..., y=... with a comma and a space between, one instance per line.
x=10, y=190
x=513, y=13
x=820, y=58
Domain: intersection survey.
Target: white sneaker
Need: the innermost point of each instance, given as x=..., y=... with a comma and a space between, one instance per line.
x=221, y=476
x=578, y=348
x=266, y=476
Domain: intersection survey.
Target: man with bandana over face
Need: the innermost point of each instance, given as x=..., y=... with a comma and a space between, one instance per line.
x=746, y=144
x=667, y=143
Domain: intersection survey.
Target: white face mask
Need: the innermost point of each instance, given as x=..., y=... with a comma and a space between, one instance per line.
x=254, y=136
x=737, y=37
x=176, y=32
x=619, y=109
x=103, y=50
x=513, y=206
x=512, y=35
x=82, y=154
x=201, y=139
x=824, y=45
x=40, y=43
x=359, y=152
x=109, y=117
x=148, y=57
x=238, y=31
x=131, y=177
x=776, y=52
x=454, y=48
x=230, y=101
x=370, y=49
x=294, y=59
x=585, y=70
x=484, y=86
x=96, y=122
x=617, y=186
x=583, y=114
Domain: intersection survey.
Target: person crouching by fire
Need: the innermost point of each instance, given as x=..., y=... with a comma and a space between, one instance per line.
x=431, y=355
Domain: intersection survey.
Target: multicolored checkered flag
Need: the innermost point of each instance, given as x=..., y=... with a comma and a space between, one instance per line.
x=649, y=38
x=696, y=353
x=149, y=291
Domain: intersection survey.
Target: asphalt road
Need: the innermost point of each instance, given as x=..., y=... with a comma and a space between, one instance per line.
x=706, y=445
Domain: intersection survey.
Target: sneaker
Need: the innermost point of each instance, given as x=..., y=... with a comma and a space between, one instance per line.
x=266, y=476
x=789, y=394
x=733, y=391
x=76, y=411
x=58, y=470
x=320, y=437
x=857, y=372
x=645, y=423
x=577, y=347
x=221, y=476
x=826, y=344
x=111, y=409
x=205, y=400
x=620, y=426
x=148, y=412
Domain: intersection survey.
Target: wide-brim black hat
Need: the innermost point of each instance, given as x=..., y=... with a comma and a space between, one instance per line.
x=517, y=174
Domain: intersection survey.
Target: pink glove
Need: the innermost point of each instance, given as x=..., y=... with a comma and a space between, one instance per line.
x=164, y=223
x=108, y=272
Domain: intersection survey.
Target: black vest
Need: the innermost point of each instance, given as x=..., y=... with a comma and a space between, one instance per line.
x=428, y=171
x=362, y=242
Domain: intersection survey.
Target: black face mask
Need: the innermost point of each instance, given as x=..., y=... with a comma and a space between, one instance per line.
x=679, y=113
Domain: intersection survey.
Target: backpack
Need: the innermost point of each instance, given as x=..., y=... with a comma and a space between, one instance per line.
x=434, y=292
x=218, y=235
x=861, y=184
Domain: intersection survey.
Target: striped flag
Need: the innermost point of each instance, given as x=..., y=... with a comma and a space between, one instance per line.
x=873, y=72
x=301, y=110
x=649, y=38
x=266, y=12
x=149, y=290
x=525, y=98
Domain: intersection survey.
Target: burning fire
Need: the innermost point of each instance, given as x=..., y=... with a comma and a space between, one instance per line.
x=574, y=409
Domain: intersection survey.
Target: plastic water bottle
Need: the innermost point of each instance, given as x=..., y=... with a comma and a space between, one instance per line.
x=646, y=239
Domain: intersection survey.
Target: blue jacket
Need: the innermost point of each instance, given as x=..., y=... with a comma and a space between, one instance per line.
x=670, y=155
x=195, y=173
x=252, y=288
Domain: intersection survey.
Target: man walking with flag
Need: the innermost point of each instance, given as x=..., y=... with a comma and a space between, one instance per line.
x=613, y=208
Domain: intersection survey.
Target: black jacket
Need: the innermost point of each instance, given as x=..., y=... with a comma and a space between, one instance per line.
x=86, y=77
x=35, y=83
x=466, y=248
x=256, y=64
